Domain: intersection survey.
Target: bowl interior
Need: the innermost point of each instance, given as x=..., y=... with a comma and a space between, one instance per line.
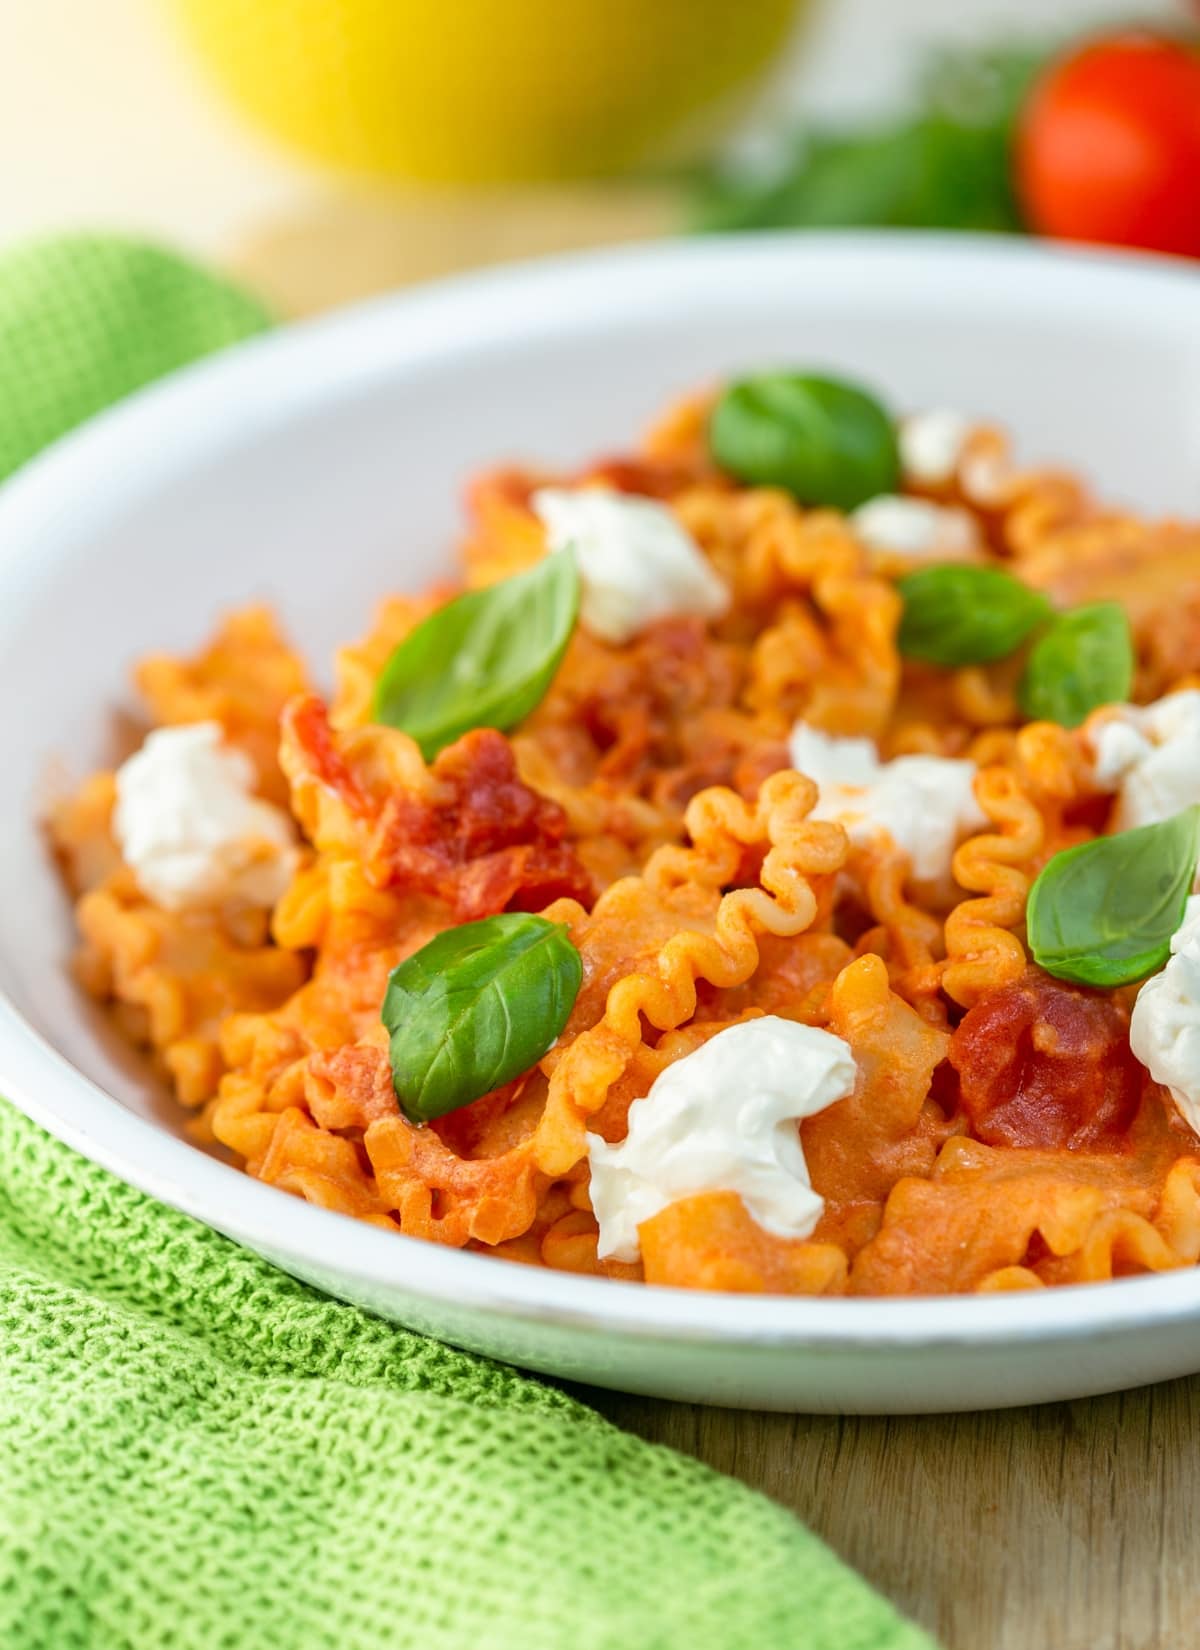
x=321, y=469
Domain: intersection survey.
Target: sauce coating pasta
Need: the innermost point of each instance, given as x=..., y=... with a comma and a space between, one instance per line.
x=1000, y=1133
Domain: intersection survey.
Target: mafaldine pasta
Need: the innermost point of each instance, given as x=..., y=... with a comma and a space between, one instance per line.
x=769, y=866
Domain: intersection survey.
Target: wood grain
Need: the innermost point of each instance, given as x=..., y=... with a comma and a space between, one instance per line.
x=1065, y=1527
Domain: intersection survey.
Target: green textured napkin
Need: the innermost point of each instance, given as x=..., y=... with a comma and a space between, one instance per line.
x=86, y=319
x=198, y=1452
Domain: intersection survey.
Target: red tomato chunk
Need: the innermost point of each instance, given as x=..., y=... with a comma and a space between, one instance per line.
x=1042, y=1063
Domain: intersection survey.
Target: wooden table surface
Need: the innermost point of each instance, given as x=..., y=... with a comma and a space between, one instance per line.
x=1066, y=1527
x=1069, y=1527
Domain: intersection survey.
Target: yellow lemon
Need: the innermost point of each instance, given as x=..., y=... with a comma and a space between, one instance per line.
x=484, y=90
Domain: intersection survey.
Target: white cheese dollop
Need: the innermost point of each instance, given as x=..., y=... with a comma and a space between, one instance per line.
x=926, y=804
x=932, y=445
x=1164, y=1029
x=915, y=527
x=190, y=827
x=723, y=1119
x=636, y=561
x=1149, y=755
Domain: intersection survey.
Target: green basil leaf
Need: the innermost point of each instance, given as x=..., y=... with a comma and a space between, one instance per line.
x=1103, y=914
x=1085, y=659
x=956, y=614
x=826, y=441
x=484, y=660
x=475, y=1008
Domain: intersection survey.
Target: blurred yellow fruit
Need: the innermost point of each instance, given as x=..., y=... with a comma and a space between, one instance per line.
x=470, y=91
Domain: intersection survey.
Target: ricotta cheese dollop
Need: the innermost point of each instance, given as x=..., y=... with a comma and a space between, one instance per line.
x=723, y=1119
x=1149, y=755
x=637, y=563
x=916, y=527
x=1164, y=1029
x=932, y=445
x=191, y=829
x=926, y=804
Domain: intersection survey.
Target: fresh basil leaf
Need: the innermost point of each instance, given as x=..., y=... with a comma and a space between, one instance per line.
x=475, y=1008
x=826, y=441
x=1083, y=660
x=1103, y=914
x=956, y=614
x=484, y=660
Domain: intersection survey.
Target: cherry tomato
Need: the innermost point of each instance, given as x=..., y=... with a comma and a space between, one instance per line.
x=1108, y=146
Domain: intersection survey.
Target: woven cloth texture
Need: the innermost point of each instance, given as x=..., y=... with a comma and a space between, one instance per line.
x=85, y=319
x=198, y=1452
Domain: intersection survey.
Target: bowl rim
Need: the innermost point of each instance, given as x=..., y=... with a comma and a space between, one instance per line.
x=172, y=424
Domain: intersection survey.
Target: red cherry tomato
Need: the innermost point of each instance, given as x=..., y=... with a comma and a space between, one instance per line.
x=1108, y=146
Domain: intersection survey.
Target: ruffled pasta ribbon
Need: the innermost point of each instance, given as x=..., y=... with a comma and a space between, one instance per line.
x=1001, y=1218
x=435, y=1193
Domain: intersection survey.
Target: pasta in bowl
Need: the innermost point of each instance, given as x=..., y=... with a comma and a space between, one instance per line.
x=765, y=870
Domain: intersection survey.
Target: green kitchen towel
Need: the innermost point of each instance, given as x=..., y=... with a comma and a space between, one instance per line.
x=86, y=319
x=199, y=1453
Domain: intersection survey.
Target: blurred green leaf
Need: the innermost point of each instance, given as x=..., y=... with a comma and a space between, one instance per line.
x=944, y=166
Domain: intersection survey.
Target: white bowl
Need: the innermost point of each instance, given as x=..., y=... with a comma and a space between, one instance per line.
x=320, y=468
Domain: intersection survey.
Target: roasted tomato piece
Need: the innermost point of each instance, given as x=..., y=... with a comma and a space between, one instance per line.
x=1043, y=1063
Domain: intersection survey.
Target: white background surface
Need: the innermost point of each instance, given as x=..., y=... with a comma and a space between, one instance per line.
x=105, y=121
